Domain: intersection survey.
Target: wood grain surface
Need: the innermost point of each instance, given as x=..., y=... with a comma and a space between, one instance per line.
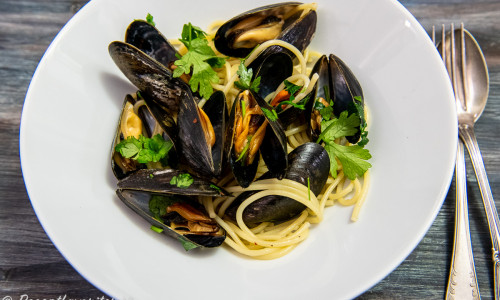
x=30, y=265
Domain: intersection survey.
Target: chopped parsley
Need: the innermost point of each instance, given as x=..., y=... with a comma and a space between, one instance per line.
x=270, y=114
x=245, y=79
x=158, y=205
x=183, y=180
x=358, y=104
x=292, y=90
x=218, y=189
x=149, y=19
x=353, y=157
x=199, y=61
x=145, y=150
x=156, y=229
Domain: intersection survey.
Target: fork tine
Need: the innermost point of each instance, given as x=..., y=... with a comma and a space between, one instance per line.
x=433, y=35
x=443, y=45
x=464, y=66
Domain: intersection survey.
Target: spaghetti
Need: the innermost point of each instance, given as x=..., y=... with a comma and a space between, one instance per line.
x=268, y=240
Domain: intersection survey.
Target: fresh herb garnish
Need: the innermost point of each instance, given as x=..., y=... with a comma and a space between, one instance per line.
x=218, y=189
x=270, y=113
x=156, y=229
x=243, y=153
x=149, y=19
x=199, y=61
x=145, y=150
x=245, y=82
x=354, y=157
x=358, y=104
x=183, y=180
x=308, y=188
x=158, y=205
x=187, y=244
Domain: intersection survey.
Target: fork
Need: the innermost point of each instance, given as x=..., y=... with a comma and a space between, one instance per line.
x=462, y=281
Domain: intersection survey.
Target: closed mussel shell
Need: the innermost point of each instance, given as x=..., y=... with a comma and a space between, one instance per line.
x=147, y=38
x=308, y=161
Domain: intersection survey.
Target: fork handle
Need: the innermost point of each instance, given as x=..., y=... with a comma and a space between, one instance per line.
x=462, y=282
x=466, y=132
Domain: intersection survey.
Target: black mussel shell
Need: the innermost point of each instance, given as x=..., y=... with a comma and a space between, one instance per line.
x=274, y=69
x=345, y=88
x=139, y=202
x=338, y=83
x=152, y=78
x=244, y=174
x=147, y=38
x=159, y=182
x=273, y=149
x=123, y=166
x=309, y=160
x=296, y=28
x=202, y=158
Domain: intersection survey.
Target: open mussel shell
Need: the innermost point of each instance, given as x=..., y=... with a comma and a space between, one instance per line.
x=140, y=203
x=159, y=181
x=274, y=69
x=131, y=123
x=273, y=148
x=198, y=153
x=310, y=160
x=288, y=21
x=147, y=38
x=338, y=83
x=152, y=78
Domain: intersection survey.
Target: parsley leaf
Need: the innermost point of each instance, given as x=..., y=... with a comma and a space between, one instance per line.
x=158, y=205
x=245, y=79
x=270, y=114
x=149, y=19
x=198, y=61
x=358, y=104
x=337, y=128
x=143, y=149
x=182, y=180
x=352, y=157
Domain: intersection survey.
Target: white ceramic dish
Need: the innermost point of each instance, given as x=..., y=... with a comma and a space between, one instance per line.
x=73, y=104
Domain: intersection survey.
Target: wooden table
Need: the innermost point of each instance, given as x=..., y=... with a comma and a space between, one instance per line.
x=30, y=264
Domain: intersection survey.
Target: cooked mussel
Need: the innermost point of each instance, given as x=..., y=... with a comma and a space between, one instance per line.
x=202, y=134
x=337, y=86
x=135, y=120
x=151, y=41
x=308, y=161
x=170, y=181
x=177, y=216
x=292, y=22
x=273, y=71
x=253, y=120
x=152, y=78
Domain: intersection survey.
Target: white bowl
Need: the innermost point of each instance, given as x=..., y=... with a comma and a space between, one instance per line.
x=69, y=119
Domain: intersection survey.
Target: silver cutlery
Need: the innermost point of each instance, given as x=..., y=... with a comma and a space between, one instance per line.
x=462, y=281
x=469, y=75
